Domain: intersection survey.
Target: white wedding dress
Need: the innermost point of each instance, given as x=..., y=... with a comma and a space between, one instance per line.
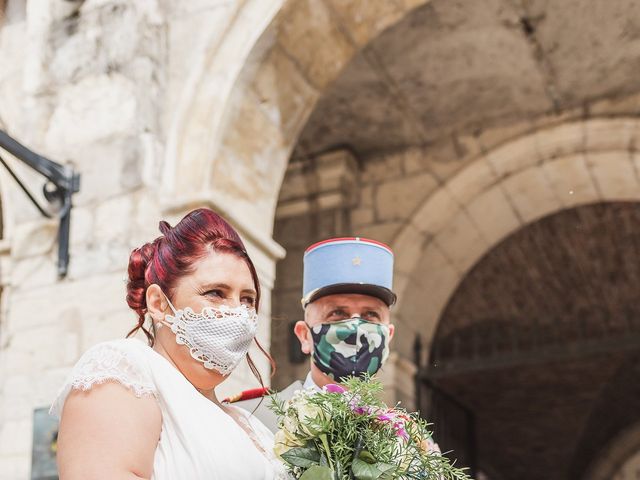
x=199, y=440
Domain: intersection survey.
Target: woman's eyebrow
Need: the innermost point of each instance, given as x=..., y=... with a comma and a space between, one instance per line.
x=220, y=286
x=250, y=291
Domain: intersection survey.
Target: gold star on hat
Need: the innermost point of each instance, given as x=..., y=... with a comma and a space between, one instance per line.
x=356, y=261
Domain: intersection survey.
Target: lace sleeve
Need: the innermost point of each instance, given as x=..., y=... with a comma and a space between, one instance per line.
x=110, y=361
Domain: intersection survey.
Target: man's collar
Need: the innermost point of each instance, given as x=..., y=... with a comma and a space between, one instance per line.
x=309, y=383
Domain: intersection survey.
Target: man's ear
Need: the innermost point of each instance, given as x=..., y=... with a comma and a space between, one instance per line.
x=302, y=332
x=156, y=302
x=392, y=329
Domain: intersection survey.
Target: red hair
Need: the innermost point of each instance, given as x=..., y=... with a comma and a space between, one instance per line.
x=174, y=254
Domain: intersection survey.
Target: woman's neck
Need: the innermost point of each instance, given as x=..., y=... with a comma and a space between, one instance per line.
x=207, y=392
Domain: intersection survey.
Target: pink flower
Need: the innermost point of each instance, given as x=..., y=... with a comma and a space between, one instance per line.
x=333, y=388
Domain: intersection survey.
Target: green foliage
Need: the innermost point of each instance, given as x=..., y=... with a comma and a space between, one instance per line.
x=351, y=434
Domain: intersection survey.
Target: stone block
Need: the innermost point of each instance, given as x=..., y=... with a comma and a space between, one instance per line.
x=407, y=248
x=514, y=156
x=491, y=137
x=382, y=168
x=362, y=216
x=414, y=160
x=433, y=282
x=609, y=134
x=33, y=272
x=493, y=214
x=113, y=220
x=107, y=168
x=472, y=180
x=562, y=140
x=99, y=259
x=531, y=194
x=398, y=199
x=461, y=242
x=30, y=239
x=571, y=180
x=614, y=175
x=367, y=196
x=308, y=32
x=82, y=226
x=624, y=105
x=96, y=108
x=364, y=20
x=439, y=209
x=284, y=93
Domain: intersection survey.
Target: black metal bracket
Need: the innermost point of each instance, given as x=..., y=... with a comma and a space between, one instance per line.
x=62, y=182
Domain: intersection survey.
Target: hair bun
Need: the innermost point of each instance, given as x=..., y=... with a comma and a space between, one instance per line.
x=164, y=227
x=137, y=284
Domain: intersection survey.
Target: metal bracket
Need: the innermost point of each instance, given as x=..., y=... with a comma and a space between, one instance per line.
x=62, y=182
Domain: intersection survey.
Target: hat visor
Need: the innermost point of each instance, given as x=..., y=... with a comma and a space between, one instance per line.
x=383, y=293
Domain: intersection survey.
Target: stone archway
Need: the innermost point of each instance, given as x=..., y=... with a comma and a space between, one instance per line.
x=242, y=113
x=500, y=192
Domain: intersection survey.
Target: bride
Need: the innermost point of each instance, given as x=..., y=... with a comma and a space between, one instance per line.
x=130, y=410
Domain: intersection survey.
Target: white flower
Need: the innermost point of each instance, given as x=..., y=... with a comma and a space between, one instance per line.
x=309, y=415
x=283, y=442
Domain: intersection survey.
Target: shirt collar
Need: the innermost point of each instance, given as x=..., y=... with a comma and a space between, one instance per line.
x=309, y=383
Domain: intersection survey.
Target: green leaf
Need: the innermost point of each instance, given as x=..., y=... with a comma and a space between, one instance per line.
x=365, y=471
x=317, y=473
x=366, y=456
x=301, y=457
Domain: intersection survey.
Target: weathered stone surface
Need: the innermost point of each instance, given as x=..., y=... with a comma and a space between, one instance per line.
x=394, y=200
x=531, y=194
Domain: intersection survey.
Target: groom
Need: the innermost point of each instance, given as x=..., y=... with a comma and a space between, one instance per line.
x=346, y=329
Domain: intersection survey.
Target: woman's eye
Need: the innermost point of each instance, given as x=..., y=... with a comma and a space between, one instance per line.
x=214, y=293
x=248, y=301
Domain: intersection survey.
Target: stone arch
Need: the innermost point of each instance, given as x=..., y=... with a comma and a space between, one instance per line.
x=620, y=460
x=266, y=80
x=498, y=193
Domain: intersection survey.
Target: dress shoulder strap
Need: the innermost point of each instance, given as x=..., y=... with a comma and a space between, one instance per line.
x=121, y=361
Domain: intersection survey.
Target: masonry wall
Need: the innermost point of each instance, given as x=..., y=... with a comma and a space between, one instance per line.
x=96, y=84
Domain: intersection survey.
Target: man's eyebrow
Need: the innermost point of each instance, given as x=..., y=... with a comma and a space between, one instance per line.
x=335, y=306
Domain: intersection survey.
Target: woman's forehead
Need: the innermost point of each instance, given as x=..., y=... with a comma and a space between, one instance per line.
x=221, y=267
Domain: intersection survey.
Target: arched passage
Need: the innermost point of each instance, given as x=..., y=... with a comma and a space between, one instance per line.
x=533, y=339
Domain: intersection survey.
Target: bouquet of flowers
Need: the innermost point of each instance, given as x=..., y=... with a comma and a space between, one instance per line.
x=347, y=433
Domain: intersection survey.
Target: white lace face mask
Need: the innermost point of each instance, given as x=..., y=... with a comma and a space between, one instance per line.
x=218, y=337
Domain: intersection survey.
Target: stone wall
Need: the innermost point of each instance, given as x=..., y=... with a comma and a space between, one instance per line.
x=95, y=83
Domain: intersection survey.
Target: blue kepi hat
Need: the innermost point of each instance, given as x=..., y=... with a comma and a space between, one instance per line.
x=348, y=265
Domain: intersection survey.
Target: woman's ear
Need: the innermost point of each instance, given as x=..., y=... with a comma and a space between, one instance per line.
x=156, y=302
x=302, y=332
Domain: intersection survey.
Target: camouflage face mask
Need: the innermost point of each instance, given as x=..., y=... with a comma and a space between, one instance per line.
x=351, y=347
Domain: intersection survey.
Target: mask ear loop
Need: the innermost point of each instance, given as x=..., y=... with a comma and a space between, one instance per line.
x=158, y=325
x=173, y=309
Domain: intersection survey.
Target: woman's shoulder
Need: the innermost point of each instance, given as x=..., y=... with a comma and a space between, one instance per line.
x=122, y=361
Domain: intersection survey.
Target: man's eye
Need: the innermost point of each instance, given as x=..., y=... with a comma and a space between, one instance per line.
x=338, y=313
